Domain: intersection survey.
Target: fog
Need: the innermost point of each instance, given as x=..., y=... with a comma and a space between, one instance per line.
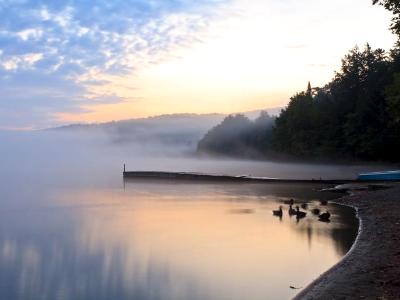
x=158, y=135
x=62, y=158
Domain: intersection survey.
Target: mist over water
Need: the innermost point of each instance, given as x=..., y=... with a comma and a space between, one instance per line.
x=62, y=158
x=70, y=228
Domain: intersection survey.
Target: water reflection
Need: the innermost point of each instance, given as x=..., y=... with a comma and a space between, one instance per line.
x=168, y=241
x=342, y=228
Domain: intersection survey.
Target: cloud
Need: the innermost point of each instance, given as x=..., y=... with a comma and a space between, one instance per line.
x=52, y=53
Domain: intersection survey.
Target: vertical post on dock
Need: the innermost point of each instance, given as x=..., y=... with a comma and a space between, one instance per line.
x=123, y=177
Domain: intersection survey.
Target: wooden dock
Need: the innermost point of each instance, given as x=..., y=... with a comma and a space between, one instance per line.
x=187, y=176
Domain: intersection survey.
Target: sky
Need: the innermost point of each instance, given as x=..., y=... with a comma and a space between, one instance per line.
x=68, y=61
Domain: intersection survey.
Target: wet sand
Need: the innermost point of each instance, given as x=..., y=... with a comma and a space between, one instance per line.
x=371, y=270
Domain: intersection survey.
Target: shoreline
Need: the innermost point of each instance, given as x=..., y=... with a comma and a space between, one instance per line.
x=371, y=268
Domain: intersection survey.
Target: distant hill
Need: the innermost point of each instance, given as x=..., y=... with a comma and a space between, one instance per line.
x=170, y=118
x=178, y=130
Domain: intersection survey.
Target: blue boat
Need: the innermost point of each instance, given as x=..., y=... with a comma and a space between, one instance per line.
x=380, y=176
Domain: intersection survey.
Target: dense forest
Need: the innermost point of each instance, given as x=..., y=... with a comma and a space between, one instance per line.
x=237, y=135
x=355, y=116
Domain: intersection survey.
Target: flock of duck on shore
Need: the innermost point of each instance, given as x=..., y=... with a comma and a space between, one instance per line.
x=323, y=217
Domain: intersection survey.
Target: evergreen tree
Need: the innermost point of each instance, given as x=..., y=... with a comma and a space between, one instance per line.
x=394, y=7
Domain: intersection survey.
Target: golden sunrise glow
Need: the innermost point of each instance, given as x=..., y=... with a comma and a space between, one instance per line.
x=200, y=236
x=255, y=56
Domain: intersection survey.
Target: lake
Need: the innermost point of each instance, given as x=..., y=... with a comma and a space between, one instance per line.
x=71, y=228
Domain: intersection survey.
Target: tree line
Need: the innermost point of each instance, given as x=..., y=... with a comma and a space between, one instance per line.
x=238, y=136
x=355, y=116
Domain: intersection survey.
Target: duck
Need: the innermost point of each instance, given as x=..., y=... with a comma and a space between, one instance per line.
x=289, y=202
x=324, y=202
x=316, y=211
x=304, y=206
x=300, y=214
x=278, y=212
x=292, y=211
x=325, y=217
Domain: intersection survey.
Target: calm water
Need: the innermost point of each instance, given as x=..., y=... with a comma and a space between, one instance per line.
x=167, y=241
x=70, y=228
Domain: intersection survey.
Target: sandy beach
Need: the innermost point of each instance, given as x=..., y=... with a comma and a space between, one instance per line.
x=371, y=270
